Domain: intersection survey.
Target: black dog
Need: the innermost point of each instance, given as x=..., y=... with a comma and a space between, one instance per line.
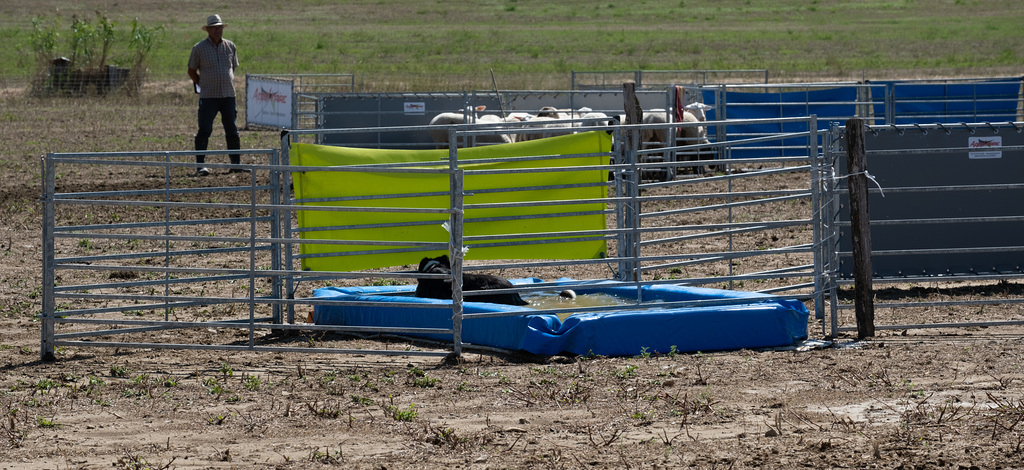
x=442, y=288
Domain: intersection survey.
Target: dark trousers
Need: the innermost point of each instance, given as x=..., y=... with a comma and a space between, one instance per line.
x=208, y=109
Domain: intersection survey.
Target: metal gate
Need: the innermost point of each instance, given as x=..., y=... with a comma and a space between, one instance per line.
x=165, y=260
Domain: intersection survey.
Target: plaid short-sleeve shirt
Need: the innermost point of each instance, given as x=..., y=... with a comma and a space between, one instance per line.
x=216, y=64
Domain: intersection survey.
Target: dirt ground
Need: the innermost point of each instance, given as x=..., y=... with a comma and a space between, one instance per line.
x=907, y=399
x=932, y=400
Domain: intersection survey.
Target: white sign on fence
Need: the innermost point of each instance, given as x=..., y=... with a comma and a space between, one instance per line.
x=987, y=147
x=416, y=108
x=268, y=102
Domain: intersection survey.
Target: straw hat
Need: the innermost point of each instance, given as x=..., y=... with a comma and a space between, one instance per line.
x=213, y=20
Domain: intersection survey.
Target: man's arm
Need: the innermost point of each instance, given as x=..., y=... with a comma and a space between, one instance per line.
x=194, y=74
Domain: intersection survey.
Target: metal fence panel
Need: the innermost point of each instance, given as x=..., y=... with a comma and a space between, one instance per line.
x=352, y=111
x=126, y=284
x=878, y=103
x=954, y=101
x=945, y=212
x=947, y=202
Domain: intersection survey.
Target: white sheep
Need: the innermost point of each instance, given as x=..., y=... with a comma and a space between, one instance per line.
x=562, y=121
x=684, y=135
x=440, y=135
x=694, y=112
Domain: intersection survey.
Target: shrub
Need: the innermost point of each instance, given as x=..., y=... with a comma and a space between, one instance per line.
x=96, y=57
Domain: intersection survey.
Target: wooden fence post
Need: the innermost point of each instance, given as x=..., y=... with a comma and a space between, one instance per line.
x=860, y=227
x=630, y=245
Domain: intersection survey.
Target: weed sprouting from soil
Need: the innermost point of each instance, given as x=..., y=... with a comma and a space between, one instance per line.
x=329, y=409
x=326, y=457
x=133, y=461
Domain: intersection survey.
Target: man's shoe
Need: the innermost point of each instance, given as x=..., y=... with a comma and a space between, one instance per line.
x=203, y=172
x=238, y=170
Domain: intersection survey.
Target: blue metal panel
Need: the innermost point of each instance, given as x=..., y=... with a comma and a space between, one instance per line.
x=989, y=101
x=828, y=104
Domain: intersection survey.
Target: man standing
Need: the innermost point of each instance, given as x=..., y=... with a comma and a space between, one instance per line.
x=211, y=65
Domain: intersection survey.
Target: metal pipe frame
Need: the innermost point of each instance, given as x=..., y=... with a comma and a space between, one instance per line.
x=95, y=305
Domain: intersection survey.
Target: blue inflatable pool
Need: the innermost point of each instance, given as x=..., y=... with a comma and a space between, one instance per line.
x=764, y=321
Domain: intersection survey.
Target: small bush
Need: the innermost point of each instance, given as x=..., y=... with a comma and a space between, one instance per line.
x=95, y=58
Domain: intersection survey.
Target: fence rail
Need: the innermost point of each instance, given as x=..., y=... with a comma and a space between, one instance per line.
x=654, y=79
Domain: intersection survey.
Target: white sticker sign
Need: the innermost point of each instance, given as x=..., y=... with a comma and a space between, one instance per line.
x=985, y=147
x=415, y=107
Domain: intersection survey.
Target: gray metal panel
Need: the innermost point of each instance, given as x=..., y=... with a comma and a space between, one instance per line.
x=356, y=110
x=346, y=111
x=952, y=183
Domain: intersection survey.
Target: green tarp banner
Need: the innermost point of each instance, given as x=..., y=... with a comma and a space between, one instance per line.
x=369, y=189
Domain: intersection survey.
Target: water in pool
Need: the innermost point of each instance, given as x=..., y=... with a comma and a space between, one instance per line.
x=546, y=300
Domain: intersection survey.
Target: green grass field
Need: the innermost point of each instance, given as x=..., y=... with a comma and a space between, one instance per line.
x=420, y=45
